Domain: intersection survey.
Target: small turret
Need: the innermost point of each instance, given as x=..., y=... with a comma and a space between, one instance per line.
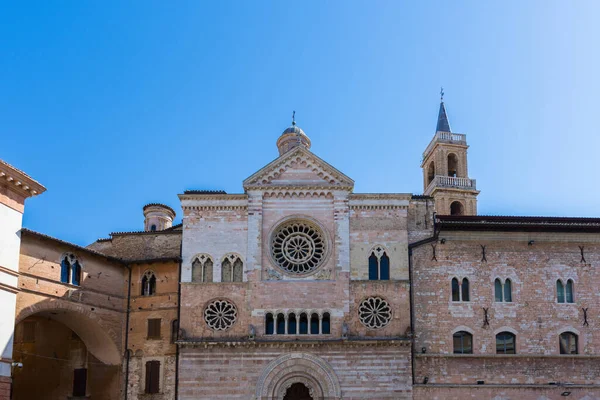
x=158, y=217
x=292, y=137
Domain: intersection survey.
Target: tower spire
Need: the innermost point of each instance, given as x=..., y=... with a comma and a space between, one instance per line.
x=442, y=123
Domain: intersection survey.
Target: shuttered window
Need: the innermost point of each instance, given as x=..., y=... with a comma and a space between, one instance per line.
x=154, y=328
x=152, y=376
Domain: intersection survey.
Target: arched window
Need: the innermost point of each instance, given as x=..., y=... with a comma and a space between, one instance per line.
x=430, y=172
x=503, y=291
x=497, y=290
x=202, y=268
x=508, y=291
x=70, y=270
x=326, y=324
x=455, y=290
x=465, y=289
x=303, y=324
x=569, y=294
x=456, y=208
x=148, y=283
x=269, y=324
x=463, y=342
x=153, y=228
x=292, y=324
x=560, y=291
x=568, y=343
x=280, y=324
x=314, y=324
x=174, y=330
x=505, y=343
x=452, y=165
x=379, y=264
x=232, y=269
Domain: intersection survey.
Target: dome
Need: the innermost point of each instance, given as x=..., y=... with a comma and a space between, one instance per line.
x=292, y=137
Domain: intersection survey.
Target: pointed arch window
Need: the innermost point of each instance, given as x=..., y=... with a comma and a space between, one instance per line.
x=379, y=264
x=565, y=292
x=70, y=270
x=202, y=268
x=503, y=291
x=460, y=289
x=232, y=269
x=148, y=283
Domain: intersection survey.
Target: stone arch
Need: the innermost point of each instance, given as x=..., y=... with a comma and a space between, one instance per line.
x=99, y=340
x=312, y=371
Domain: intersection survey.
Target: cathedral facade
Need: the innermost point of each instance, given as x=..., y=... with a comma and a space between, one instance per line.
x=298, y=288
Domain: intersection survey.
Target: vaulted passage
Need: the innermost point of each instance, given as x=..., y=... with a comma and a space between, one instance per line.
x=298, y=391
x=58, y=363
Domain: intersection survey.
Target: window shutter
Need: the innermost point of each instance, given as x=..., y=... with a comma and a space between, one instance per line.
x=154, y=328
x=152, y=376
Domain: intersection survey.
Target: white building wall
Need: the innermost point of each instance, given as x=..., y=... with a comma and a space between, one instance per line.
x=10, y=241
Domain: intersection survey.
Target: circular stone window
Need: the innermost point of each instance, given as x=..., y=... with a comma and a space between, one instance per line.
x=298, y=247
x=374, y=312
x=220, y=315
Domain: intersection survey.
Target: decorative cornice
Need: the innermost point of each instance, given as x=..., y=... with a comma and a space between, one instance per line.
x=377, y=207
x=215, y=207
x=380, y=196
x=293, y=343
x=19, y=181
x=213, y=197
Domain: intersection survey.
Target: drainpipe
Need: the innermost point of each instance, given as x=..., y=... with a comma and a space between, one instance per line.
x=410, y=288
x=178, y=319
x=127, y=333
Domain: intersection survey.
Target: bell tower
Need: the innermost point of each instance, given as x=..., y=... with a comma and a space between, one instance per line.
x=445, y=172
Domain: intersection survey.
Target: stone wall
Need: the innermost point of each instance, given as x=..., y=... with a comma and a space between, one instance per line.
x=140, y=245
x=534, y=315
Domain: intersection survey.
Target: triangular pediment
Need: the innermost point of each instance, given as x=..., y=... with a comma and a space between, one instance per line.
x=299, y=167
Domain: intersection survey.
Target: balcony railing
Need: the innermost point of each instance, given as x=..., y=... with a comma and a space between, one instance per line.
x=445, y=137
x=451, y=182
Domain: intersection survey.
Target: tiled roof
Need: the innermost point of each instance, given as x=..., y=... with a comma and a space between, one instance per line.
x=160, y=205
x=516, y=223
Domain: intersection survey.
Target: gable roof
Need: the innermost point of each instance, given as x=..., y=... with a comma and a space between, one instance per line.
x=332, y=177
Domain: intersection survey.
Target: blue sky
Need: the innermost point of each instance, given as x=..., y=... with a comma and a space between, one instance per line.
x=112, y=105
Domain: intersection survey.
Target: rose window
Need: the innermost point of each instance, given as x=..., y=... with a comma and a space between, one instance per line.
x=220, y=315
x=298, y=247
x=375, y=312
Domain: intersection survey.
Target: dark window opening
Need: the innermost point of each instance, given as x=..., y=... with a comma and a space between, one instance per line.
x=507, y=291
x=560, y=292
x=269, y=324
x=569, y=296
x=497, y=290
x=455, y=290
x=505, y=343
x=452, y=165
x=65, y=269
x=373, y=268
x=314, y=324
x=292, y=324
x=465, y=289
x=79, y=382
x=280, y=324
x=303, y=324
x=148, y=284
x=456, y=208
x=430, y=172
x=463, y=342
x=76, y=273
x=153, y=228
x=326, y=324
x=384, y=268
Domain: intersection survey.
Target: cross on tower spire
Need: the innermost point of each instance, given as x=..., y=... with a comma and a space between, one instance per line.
x=294, y=117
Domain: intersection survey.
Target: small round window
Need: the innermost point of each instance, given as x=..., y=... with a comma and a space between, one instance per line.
x=298, y=247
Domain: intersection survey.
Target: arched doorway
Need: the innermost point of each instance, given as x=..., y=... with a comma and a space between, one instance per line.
x=298, y=391
x=65, y=354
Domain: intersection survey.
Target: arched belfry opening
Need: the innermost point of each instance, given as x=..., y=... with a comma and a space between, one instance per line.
x=430, y=172
x=298, y=391
x=457, y=208
x=452, y=165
